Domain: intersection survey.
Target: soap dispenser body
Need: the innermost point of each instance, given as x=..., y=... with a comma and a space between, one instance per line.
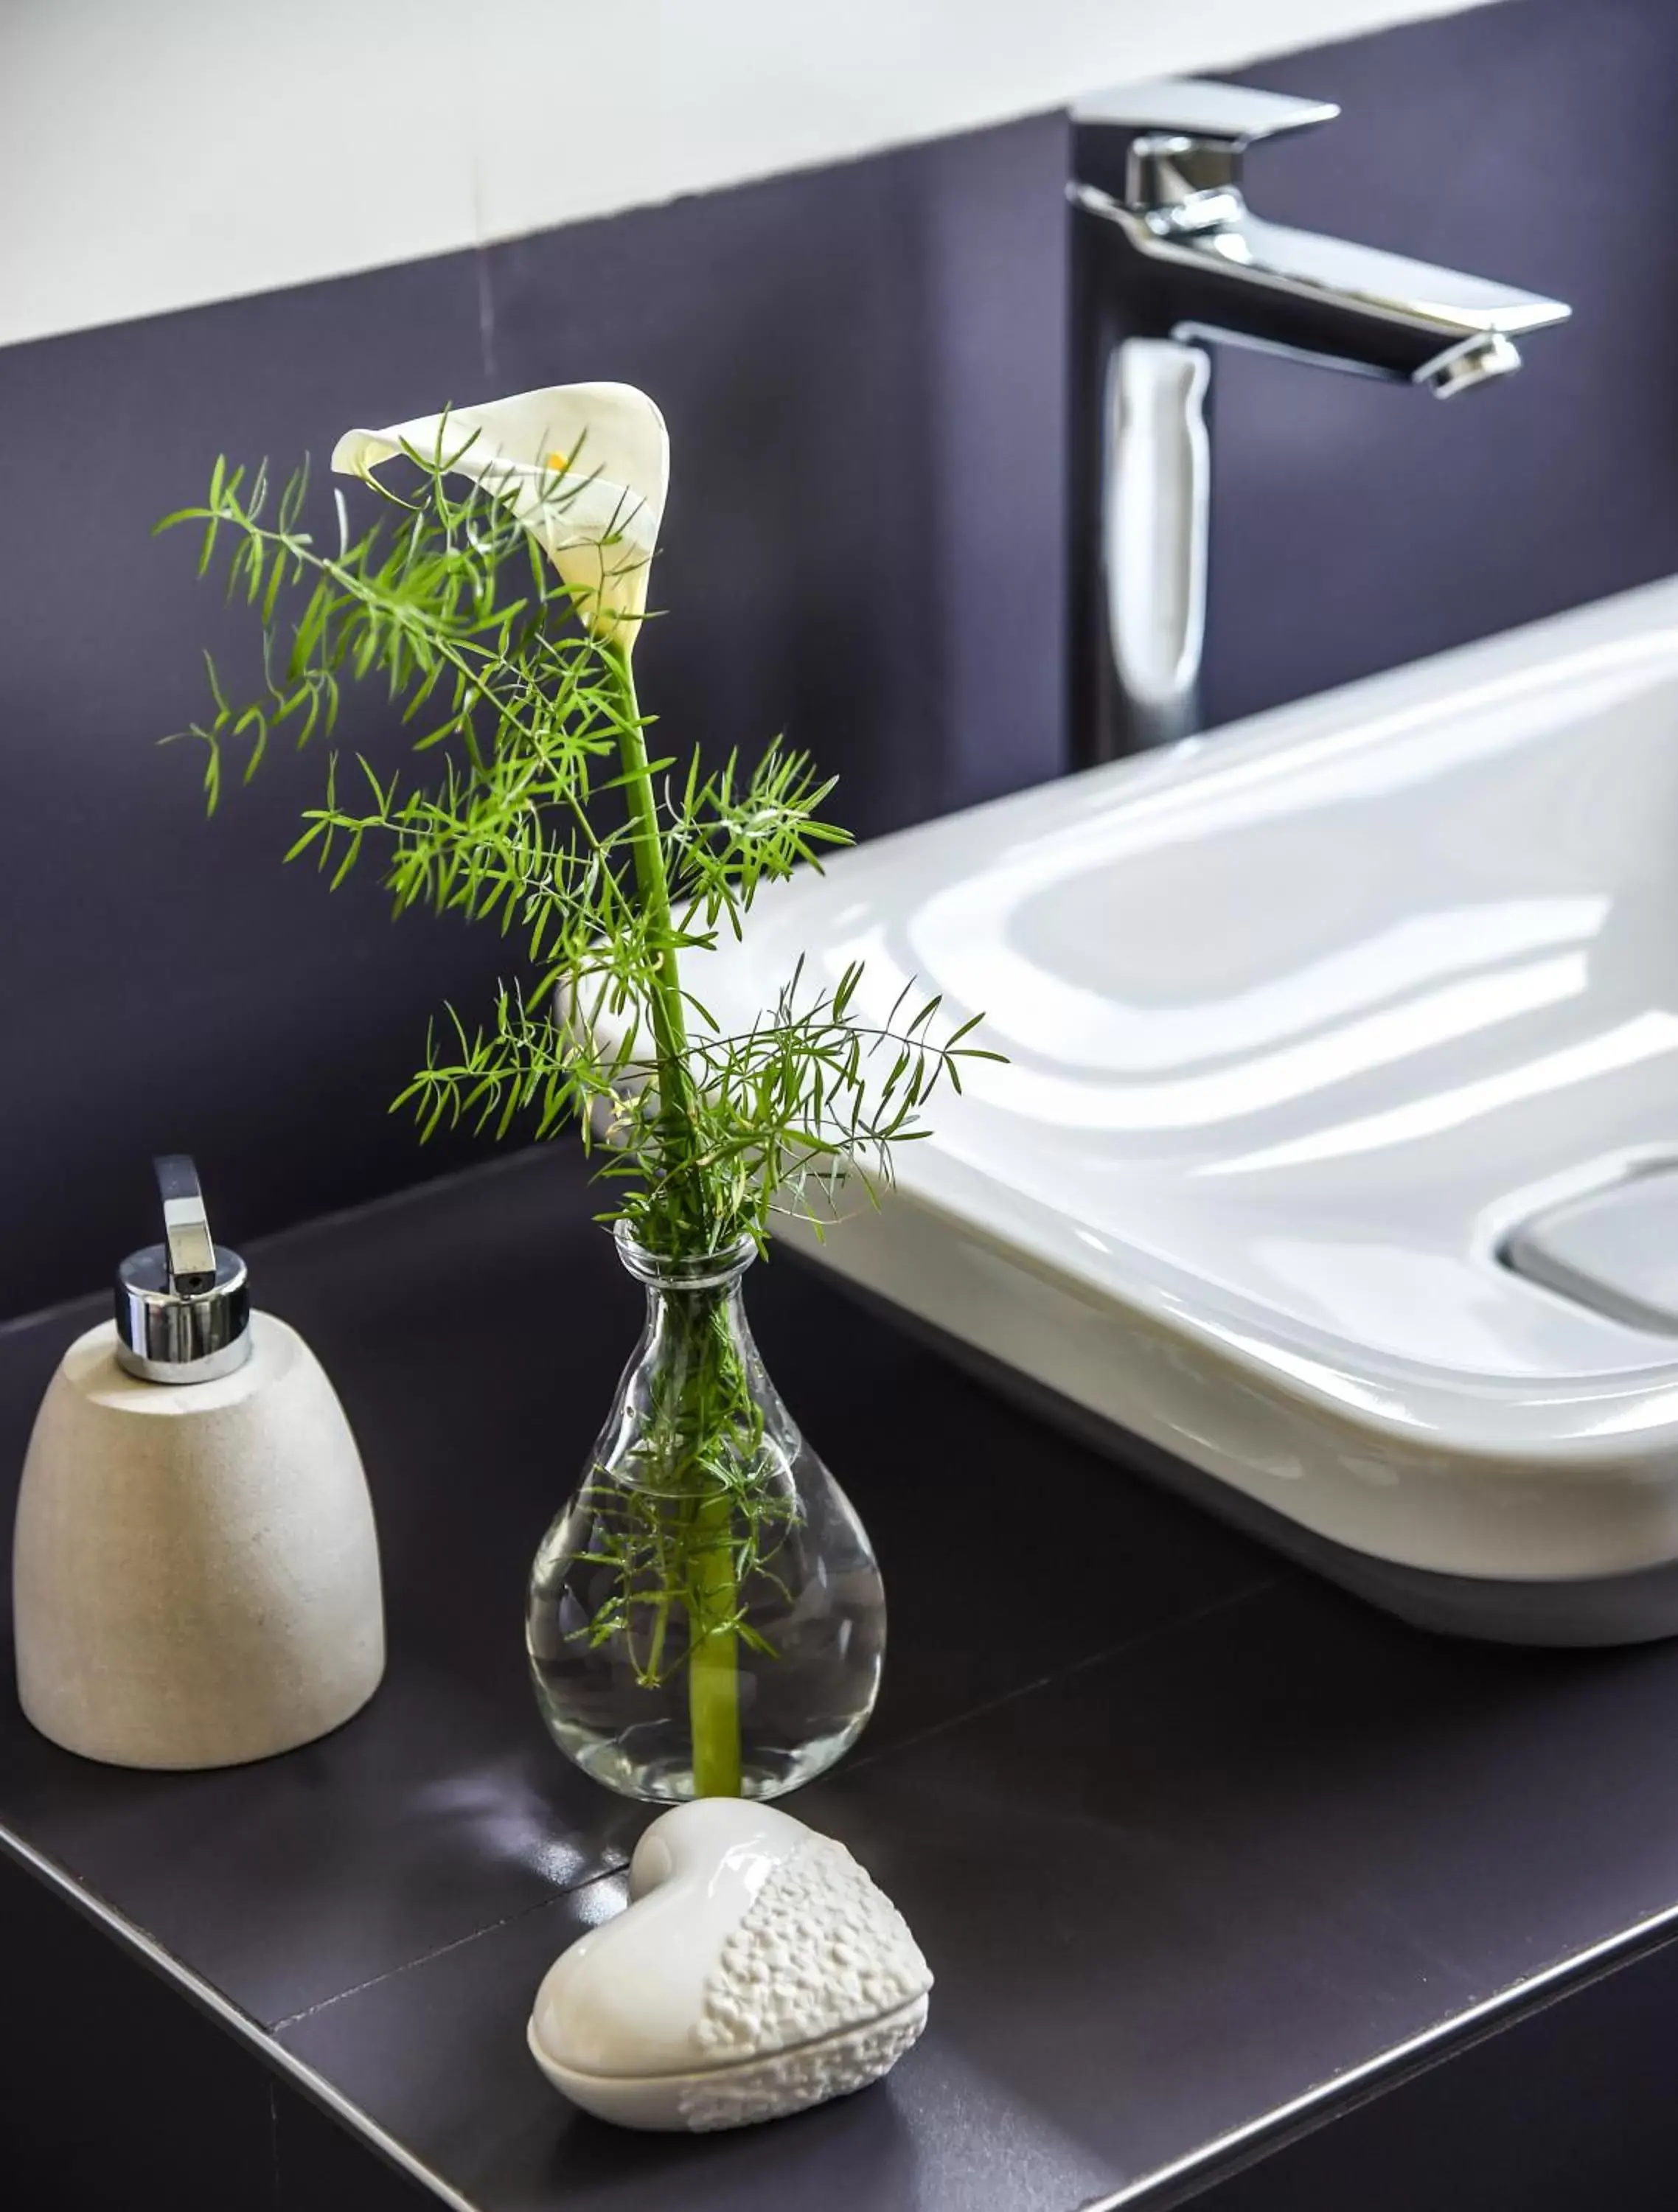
x=196, y=1571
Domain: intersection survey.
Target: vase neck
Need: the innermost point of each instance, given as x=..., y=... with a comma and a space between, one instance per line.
x=697, y=1337
x=666, y=1274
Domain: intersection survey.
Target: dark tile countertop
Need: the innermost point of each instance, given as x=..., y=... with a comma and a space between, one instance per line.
x=1197, y=1846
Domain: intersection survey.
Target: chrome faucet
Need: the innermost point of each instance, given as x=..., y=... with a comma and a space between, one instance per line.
x=1167, y=259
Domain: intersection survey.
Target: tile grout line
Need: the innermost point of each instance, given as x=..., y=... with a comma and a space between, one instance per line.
x=611, y=1873
x=1136, y=1643
x=226, y=2015
x=442, y=1950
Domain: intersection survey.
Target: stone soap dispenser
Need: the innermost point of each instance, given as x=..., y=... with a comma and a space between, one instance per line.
x=196, y=1571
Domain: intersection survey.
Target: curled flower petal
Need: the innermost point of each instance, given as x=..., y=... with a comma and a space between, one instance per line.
x=584, y=467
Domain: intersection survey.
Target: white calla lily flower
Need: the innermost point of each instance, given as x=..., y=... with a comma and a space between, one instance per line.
x=584, y=467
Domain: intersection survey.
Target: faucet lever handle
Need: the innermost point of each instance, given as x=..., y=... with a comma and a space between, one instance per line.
x=1184, y=165
x=1230, y=115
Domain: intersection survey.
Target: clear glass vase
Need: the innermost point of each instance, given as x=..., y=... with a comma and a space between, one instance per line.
x=706, y=1617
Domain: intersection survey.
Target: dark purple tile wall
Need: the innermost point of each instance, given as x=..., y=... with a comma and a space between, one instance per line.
x=862, y=368
x=859, y=367
x=1358, y=524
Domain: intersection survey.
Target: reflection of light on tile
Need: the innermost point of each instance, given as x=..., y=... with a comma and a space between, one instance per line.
x=1645, y=1038
x=507, y=1820
x=597, y=1902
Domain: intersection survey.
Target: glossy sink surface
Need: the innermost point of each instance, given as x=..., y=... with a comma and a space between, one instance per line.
x=1306, y=1021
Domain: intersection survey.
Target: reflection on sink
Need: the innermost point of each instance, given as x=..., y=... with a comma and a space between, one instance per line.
x=1304, y=1021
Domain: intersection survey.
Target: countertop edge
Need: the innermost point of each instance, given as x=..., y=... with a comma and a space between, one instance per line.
x=227, y=2015
x=1241, y=2146
x=1227, y=2154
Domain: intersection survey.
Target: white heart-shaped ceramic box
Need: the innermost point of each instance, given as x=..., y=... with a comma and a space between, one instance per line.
x=757, y=1970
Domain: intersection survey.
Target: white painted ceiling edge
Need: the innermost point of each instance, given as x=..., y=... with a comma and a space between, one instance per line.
x=166, y=154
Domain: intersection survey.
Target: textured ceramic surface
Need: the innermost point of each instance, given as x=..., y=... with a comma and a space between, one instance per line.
x=758, y=1970
x=195, y=1572
x=1303, y=1020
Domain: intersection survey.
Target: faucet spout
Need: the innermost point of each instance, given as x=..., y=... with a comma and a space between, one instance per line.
x=1477, y=361
x=1169, y=265
x=1245, y=281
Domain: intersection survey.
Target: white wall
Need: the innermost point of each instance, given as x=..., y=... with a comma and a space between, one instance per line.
x=156, y=153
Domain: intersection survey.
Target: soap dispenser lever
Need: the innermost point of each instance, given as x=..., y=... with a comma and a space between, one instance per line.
x=186, y=1226
x=183, y=1306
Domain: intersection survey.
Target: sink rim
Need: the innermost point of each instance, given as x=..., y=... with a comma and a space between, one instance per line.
x=1566, y=1472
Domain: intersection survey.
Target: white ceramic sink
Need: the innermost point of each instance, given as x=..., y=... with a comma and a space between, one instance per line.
x=1306, y=1021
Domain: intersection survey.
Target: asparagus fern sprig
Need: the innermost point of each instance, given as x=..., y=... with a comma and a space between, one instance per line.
x=500, y=624
x=533, y=801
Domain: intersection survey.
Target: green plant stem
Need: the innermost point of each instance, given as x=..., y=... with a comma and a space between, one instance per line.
x=669, y=1019
x=714, y=1701
x=714, y=1598
x=714, y=1679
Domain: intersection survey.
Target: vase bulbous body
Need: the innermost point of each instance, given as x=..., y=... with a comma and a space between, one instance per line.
x=706, y=1617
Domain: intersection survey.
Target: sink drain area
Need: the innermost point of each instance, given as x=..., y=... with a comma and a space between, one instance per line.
x=1614, y=1249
